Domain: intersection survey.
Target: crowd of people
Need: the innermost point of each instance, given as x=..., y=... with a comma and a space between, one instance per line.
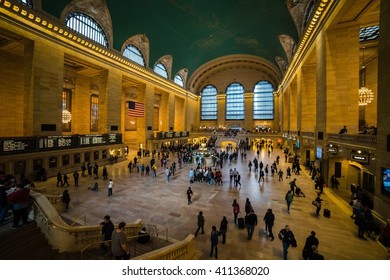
x=168, y=159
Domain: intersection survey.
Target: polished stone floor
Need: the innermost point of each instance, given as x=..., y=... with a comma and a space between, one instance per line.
x=164, y=205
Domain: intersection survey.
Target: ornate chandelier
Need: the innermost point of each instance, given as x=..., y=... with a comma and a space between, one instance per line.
x=66, y=116
x=366, y=95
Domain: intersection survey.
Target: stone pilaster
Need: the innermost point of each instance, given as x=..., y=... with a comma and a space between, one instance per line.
x=46, y=89
x=308, y=98
x=342, y=79
x=381, y=202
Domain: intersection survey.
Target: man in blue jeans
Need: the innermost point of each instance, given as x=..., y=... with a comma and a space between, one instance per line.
x=287, y=237
x=251, y=222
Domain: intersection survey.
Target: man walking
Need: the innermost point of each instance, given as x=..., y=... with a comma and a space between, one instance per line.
x=293, y=185
x=251, y=222
x=201, y=220
x=214, y=242
x=269, y=219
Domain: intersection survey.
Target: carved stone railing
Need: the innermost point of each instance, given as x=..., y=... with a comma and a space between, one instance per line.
x=64, y=237
x=182, y=250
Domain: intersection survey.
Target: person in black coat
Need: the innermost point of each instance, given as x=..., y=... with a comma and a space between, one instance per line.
x=308, y=248
x=189, y=195
x=287, y=237
x=214, y=241
x=201, y=220
x=269, y=219
x=223, y=229
x=66, y=198
x=107, y=229
x=251, y=222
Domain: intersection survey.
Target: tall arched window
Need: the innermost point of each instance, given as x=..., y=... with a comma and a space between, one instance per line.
x=87, y=26
x=235, y=109
x=160, y=69
x=179, y=80
x=209, y=104
x=134, y=54
x=263, y=101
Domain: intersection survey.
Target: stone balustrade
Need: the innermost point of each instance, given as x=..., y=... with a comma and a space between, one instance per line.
x=182, y=250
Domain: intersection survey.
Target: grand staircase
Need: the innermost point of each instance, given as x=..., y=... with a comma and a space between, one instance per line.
x=29, y=243
x=26, y=243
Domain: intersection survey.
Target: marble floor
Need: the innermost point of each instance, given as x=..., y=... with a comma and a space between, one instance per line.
x=164, y=205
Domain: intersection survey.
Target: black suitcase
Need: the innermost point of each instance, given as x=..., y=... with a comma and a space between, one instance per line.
x=241, y=223
x=326, y=212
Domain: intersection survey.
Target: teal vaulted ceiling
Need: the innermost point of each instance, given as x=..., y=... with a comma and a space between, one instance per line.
x=197, y=31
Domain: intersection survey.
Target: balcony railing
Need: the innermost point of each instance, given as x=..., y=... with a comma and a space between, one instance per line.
x=363, y=139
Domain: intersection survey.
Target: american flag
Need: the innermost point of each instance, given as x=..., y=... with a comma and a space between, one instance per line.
x=136, y=109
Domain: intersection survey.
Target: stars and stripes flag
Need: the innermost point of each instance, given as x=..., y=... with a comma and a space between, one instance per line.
x=135, y=109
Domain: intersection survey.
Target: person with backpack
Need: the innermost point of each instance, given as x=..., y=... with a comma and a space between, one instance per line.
x=289, y=199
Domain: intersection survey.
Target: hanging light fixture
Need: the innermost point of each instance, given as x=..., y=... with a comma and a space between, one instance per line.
x=366, y=95
x=66, y=116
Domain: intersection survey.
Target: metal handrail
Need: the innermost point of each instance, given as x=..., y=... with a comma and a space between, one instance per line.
x=128, y=238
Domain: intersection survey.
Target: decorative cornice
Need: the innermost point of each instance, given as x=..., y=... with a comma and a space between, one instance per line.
x=318, y=21
x=35, y=22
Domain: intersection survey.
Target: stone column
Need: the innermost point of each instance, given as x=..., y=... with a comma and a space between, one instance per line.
x=248, y=103
x=44, y=95
x=342, y=79
x=308, y=98
x=110, y=98
x=148, y=100
x=321, y=86
x=381, y=202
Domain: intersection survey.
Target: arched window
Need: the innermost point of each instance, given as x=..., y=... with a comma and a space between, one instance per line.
x=179, y=80
x=209, y=104
x=160, y=69
x=263, y=101
x=28, y=3
x=134, y=54
x=87, y=26
x=235, y=109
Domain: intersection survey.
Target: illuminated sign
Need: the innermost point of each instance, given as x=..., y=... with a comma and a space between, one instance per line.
x=332, y=150
x=18, y=145
x=359, y=158
x=42, y=143
x=57, y=142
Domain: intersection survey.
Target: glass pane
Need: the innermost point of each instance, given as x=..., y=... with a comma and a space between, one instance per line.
x=209, y=105
x=263, y=101
x=87, y=27
x=161, y=70
x=134, y=54
x=179, y=80
x=235, y=109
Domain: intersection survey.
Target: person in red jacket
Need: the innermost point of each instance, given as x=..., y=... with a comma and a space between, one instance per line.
x=20, y=201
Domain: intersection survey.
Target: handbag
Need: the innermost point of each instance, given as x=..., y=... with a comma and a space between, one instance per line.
x=316, y=203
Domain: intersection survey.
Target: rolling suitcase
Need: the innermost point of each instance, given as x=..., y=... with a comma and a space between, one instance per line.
x=326, y=211
x=241, y=222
